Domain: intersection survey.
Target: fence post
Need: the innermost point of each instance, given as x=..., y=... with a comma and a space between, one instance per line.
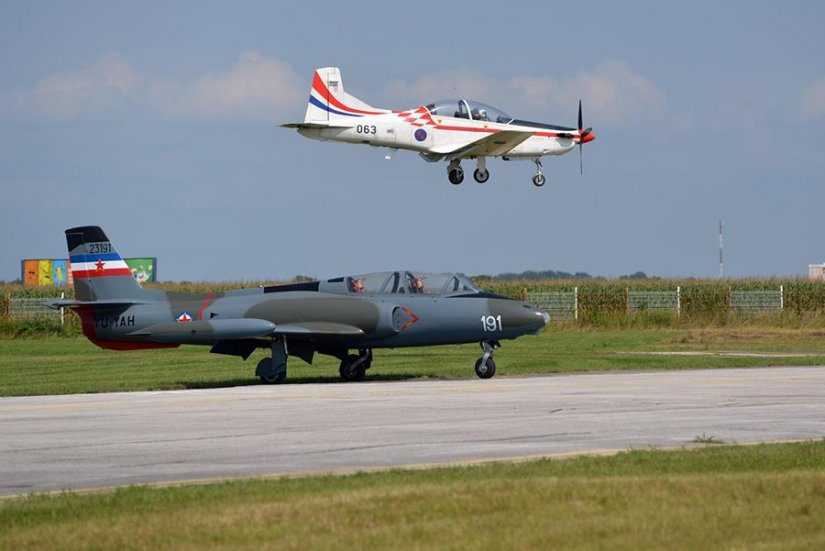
x=7, y=309
x=781, y=297
x=627, y=300
x=678, y=301
x=62, y=311
x=524, y=295
x=575, y=303
x=730, y=299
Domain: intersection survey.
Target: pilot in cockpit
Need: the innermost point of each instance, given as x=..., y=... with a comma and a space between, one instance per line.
x=416, y=285
x=480, y=114
x=356, y=285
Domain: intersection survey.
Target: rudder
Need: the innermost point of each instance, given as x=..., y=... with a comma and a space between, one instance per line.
x=98, y=270
x=328, y=100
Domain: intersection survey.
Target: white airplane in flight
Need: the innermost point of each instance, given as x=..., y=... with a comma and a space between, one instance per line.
x=446, y=130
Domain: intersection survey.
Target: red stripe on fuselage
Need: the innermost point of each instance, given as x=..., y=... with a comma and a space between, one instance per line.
x=319, y=86
x=203, y=306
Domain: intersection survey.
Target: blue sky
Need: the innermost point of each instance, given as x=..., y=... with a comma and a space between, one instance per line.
x=158, y=121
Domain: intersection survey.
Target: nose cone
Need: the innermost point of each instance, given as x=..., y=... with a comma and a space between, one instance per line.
x=587, y=138
x=519, y=316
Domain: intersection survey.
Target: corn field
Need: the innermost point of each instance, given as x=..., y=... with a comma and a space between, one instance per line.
x=599, y=301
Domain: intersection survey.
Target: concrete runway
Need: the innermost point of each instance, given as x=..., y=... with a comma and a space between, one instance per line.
x=100, y=440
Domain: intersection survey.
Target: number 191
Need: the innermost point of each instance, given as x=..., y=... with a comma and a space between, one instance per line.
x=491, y=323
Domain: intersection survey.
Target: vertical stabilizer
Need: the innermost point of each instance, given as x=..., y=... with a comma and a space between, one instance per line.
x=98, y=270
x=328, y=100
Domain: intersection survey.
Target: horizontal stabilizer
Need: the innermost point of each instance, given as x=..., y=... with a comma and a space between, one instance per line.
x=323, y=124
x=201, y=331
x=107, y=303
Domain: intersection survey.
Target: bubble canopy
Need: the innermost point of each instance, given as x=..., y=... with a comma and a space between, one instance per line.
x=401, y=282
x=467, y=109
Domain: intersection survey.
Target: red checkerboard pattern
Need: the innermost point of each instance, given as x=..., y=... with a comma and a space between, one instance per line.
x=418, y=117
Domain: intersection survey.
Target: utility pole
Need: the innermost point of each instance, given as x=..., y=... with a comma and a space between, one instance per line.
x=721, y=250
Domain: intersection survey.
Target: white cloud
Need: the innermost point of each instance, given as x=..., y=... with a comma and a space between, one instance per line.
x=813, y=98
x=255, y=86
x=439, y=85
x=108, y=81
x=611, y=93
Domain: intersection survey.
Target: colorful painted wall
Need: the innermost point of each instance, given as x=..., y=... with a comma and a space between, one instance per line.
x=40, y=272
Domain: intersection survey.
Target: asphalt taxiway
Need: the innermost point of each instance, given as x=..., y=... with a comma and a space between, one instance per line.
x=50, y=443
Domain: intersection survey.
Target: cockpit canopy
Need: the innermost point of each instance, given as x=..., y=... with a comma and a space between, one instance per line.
x=466, y=109
x=401, y=282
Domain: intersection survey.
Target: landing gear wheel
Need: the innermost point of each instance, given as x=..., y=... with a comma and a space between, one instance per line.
x=481, y=176
x=538, y=180
x=265, y=373
x=278, y=379
x=351, y=370
x=487, y=369
x=456, y=176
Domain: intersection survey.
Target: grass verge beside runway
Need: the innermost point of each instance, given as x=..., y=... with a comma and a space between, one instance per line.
x=33, y=366
x=765, y=496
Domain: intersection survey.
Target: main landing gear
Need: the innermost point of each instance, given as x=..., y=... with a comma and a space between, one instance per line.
x=353, y=367
x=272, y=371
x=455, y=173
x=481, y=173
x=538, y=178
x=485, y=366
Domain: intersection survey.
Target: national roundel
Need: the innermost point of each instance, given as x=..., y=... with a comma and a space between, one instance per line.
x=420, y=134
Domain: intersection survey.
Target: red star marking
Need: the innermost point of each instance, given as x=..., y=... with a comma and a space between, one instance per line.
x=99, y=265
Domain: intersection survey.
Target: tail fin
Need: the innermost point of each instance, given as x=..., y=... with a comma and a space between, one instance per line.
x=328, y=100
x=98, y=270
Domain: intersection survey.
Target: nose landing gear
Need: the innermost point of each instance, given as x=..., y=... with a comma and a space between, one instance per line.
x=538, y=178
x=485, y=366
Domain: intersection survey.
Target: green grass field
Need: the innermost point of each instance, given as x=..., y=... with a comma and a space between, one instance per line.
x=767, y=496
x=749, y=497
x=55, y=365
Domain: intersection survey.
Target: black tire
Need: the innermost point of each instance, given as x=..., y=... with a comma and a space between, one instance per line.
x=278, y=379
x=480, y=176
x=456, y=176
x=347, y=372
x=538, y=180
x=487, y=370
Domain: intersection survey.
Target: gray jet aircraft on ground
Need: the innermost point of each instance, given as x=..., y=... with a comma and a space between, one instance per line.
x=359, y=312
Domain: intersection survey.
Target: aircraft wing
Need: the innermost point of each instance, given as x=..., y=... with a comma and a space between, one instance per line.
x=241, y=328
x=202, y=331
x=492, y=145
x=319, y=329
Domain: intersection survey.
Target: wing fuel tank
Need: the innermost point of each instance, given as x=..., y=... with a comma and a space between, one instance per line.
x=206, y=331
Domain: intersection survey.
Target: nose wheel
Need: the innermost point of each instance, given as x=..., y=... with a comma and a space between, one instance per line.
x=538, y=178
x=485, y=366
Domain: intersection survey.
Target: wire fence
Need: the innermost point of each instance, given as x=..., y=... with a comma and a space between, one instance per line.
x=561, y=305
x=33, y=308
x=564, y=305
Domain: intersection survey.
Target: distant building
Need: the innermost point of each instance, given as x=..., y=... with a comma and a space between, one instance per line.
x=816, y=272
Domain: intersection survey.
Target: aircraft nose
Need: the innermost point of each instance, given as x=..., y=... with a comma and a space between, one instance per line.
x=516, y=314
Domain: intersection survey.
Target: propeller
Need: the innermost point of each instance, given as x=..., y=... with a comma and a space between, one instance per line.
x=583, y=134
